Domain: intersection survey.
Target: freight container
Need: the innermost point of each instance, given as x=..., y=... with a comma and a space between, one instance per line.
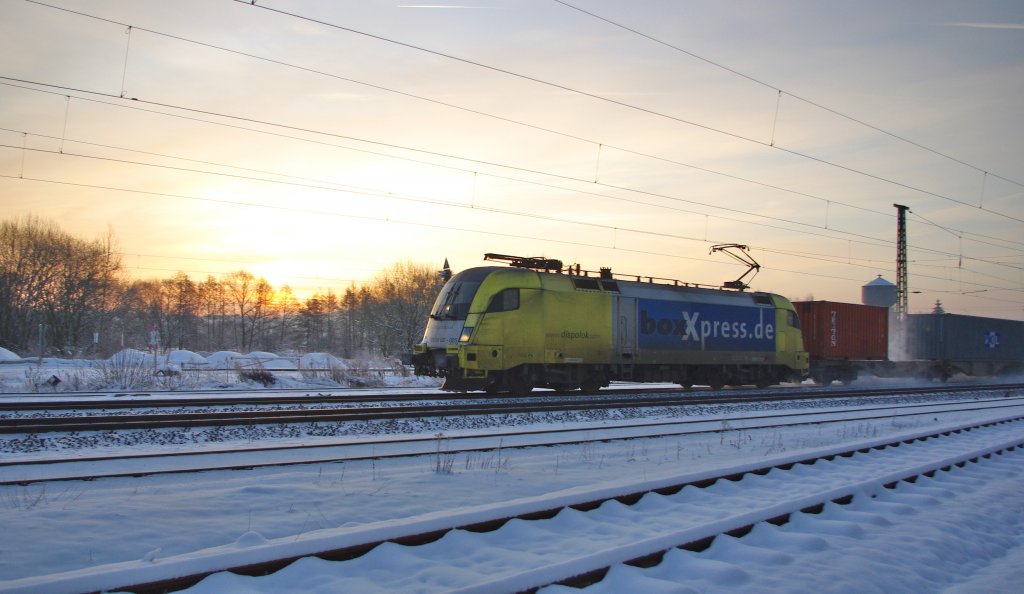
x=843, y=331
x=952, y=337
x=847, y=340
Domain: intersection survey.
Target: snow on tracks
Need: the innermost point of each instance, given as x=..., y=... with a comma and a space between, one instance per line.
x=522, y=555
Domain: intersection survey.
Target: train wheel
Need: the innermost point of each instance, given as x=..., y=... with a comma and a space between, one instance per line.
x=520, y=383
x=590, y=385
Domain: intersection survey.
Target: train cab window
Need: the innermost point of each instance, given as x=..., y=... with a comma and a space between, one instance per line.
x=506, y=300
x=762, y=299
x=792, y=319
x=455, y=298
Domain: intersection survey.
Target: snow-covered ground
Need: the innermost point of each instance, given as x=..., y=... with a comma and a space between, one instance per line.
x=51, y=528
x=895, y=534
x=956, y=535
x=181, y=370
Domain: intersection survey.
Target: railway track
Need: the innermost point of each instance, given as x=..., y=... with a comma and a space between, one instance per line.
x=335, y=409
x=23, y=402
x=23, y=472
x=573, y=538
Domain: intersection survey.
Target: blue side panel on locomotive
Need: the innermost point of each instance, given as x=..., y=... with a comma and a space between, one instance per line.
x=689, y=326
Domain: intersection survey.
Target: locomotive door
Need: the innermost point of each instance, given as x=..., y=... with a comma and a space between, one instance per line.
x=624, y=327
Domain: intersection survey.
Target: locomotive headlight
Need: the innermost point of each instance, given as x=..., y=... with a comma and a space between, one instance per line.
x=467, y=333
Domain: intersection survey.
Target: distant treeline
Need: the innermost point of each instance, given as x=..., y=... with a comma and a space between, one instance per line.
x=72, y=296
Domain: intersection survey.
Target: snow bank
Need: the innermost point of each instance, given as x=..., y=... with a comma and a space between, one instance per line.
x=265, y=360
x=130, y=357
x=223, y=359
x=182, y=357
x=187, y=370
x=321, y=361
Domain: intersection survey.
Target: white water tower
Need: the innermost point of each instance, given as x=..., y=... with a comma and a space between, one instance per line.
x=878, y=292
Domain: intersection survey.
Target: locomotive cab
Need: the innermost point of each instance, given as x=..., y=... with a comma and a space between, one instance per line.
x=437, y=353
x=483, y=322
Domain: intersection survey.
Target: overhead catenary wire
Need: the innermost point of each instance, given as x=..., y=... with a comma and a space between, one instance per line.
x=552, y=131
x=320, y=184
x=388, y=219
x=347, y=215
x=406, y=148
x=630, y=106
x=873, y=242
x=135, y=101
x=598, y=144
x=539, y=81
x=420, y=223
x=383, y=192
x=392, y=220
x=429, y=153
x=985, y=173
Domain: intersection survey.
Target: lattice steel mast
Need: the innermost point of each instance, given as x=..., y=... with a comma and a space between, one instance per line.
x=901, y=261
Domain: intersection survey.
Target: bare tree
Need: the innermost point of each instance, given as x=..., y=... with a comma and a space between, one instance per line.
x=240, y=288
x=282, y=321
x=182, y=298
x=53, y=279
x=72, y=288
x=213, y=306
x=262, y=312
x=401, y=298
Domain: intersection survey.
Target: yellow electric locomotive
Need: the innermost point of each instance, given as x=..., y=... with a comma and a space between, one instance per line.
x=537, y=324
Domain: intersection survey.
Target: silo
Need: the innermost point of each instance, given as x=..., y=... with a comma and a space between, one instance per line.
x=878, y=292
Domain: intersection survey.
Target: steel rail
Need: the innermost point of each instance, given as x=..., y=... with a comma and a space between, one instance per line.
x=442, y=445
x=309, y=397
x=588, y=569
x=36, y=425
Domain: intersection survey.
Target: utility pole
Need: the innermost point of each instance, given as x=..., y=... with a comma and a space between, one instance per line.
x=901, y=261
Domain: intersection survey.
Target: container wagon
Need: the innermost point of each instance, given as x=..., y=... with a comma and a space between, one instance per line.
x=845, y=340
x=971, y=345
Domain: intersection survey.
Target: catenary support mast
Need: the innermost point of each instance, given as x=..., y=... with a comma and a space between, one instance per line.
x=901, y=261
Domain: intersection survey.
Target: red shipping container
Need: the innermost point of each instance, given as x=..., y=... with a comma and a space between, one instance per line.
x=844, y=331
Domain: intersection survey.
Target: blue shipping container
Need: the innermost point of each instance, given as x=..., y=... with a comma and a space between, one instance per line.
x=954, y=337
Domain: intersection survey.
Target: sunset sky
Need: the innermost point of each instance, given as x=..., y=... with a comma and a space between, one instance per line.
x=317, y=142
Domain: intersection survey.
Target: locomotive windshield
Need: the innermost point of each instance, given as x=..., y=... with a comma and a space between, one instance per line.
x=453, y=302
